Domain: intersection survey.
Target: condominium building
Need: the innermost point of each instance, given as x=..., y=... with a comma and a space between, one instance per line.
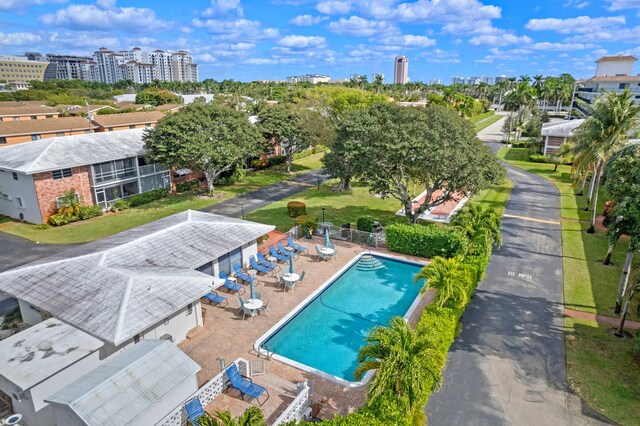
x=309, y=78
x=401, y=70
x=21, y=68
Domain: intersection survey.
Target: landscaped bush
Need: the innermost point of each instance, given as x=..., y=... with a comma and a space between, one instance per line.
x=87, y=212
x=296, y=208
x=187, y=186
x=147, y=197
x=60, y=219
x=364, y=224
x=425, y=240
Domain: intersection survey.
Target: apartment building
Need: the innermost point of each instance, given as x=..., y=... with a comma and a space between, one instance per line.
x=21, y=131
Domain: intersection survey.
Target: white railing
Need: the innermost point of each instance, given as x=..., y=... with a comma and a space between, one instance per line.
x=295, y=410
x=207, y=393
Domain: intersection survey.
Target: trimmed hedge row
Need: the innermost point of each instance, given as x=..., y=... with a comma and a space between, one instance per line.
x=425, y=240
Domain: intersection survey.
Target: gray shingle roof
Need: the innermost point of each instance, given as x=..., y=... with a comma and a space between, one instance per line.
x=71, y=151
x=564, y=128
x=127, y=385
x=39, y=352
x=121, y=285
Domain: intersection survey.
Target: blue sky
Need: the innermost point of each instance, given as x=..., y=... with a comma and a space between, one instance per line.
x=271, y=39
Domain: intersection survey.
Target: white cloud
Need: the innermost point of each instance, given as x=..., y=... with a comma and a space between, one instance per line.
x=220, y=8
x=237, y=30
x=19, y=39
x=408, y=40
x=561, y=46
x=581, y=24
x=499, y=40
x=333, y=7
x=23, y=4
x=360, y=27
x=623, y=4
x=307, y=20
x=302, y=42
x=105, y=15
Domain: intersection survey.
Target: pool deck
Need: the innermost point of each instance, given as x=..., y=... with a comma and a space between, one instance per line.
x=226, y=335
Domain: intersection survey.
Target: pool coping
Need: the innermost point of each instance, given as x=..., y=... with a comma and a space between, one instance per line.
x=284, y=320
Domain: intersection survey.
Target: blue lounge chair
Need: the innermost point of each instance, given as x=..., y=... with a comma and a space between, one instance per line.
x=245, y=385
x=266, y=263
x=286, y=252
x=257, y=267
x=215, y=298
x=241, y=274
x=231, y=286
x=194, y=410
x=277, y=255
x=296, y=247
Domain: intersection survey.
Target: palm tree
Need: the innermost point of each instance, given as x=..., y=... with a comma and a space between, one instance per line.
x=603, y=133
x=450, y=278
x=477, y=223
x=405, y=361
x=69, y=204
x=251, y=417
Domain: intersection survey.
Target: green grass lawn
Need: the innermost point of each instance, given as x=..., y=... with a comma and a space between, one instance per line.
x=602, y=369
x=111, y=223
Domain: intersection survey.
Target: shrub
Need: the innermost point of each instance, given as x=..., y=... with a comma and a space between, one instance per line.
x=60, y=219
x=147, y=197
x=364, y=224
x=307, y=222
x=120, y=204
x=296, y=208
x=87, y=212
x=42, y=226
x=425, y=240
x=187, y=186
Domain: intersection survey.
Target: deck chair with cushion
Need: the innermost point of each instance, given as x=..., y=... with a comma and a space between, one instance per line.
x=296, y=247
x=214, y=297
x=241, y=274
x=263, y=261
x=260, y=268
x=194, y=410
x=274, y=253
x=231, y=286
x=245, y=385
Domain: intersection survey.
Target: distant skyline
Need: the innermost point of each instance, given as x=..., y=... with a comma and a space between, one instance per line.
x=255, y=40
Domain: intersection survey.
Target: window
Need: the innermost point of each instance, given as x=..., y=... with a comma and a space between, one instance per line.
x=36, y=137
x=3, y=140
x=132, y=126
x=19, y=202
x=189, y=308
x=59, y=174
x=15, y=175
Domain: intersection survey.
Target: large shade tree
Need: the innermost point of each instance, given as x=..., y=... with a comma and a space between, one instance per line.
x=208, y=138
x=432, y=148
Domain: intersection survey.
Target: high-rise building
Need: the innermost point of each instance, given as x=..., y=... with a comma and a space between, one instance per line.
x=401, y=70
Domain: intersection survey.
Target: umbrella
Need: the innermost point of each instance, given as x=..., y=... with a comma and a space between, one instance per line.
x=253, y=290
x=291, y=263
x=326, y=237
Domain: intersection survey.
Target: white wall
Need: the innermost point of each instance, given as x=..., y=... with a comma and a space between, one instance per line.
x=30, y=314
x=23, y=188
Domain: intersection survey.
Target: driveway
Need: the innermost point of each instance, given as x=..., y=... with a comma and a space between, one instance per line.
x=508, y=365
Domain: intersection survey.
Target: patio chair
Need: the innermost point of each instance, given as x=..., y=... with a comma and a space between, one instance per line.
x=321, y=256
x=263, y=261
x=257, y=267
x=265, y=307
x=194, y=410
x=214, y=297
x=245, y=385
x=274, y=253
x=241, y=274
x=231, y=286
x=296, y=247
x=246, y=312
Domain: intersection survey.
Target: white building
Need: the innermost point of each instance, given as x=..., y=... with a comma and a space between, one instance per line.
x=556, y=133
x=401, y=70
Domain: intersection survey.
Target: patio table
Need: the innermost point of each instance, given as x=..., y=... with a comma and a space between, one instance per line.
x=253, y=304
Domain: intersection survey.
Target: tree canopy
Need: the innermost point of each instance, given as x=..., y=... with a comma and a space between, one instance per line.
x=208, y=138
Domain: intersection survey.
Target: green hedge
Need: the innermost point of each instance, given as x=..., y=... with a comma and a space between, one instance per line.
x=147, y=197
x=425, y=240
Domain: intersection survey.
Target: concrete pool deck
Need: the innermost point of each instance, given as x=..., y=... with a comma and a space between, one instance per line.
x=226, y=335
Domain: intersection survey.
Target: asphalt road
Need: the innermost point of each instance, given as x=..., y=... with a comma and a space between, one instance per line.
x=508, y=365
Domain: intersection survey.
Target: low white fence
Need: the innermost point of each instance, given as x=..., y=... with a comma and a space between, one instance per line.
x=296, y=410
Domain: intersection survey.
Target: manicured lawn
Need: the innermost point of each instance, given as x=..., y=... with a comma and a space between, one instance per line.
x=488, y=122
x=109, y=224
x=603, y=370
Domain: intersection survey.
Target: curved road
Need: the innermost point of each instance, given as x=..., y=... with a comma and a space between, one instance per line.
x=508, y=365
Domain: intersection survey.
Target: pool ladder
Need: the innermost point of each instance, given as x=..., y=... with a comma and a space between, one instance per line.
x=369, y=263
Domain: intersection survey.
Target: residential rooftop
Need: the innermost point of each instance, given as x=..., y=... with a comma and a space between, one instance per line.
x=128, y=118
x=127, y=385
x=30, y=127
x=70, y=151
x=39, y=352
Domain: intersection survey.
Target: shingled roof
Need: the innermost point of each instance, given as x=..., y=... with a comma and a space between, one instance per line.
x=119, y=286
x=70, y=151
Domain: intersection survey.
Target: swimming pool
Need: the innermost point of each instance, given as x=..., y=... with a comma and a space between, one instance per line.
x=325, y=332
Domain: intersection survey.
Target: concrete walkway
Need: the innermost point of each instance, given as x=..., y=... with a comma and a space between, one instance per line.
x=508, y=365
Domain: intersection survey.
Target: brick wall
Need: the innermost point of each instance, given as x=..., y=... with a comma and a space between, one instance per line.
x=48, y=189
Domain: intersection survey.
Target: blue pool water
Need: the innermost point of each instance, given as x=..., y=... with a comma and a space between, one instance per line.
x=328, y=332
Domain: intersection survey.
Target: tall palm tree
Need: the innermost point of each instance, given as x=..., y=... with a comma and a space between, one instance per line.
x=405, y=361
x=604, y=132
x=477, y=222
x=450, y=278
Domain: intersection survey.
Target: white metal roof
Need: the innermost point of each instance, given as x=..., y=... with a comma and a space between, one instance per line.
x=564, y=128
x=121, y=285
x=39, y=352
x=128, y=384
x=71, y=151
